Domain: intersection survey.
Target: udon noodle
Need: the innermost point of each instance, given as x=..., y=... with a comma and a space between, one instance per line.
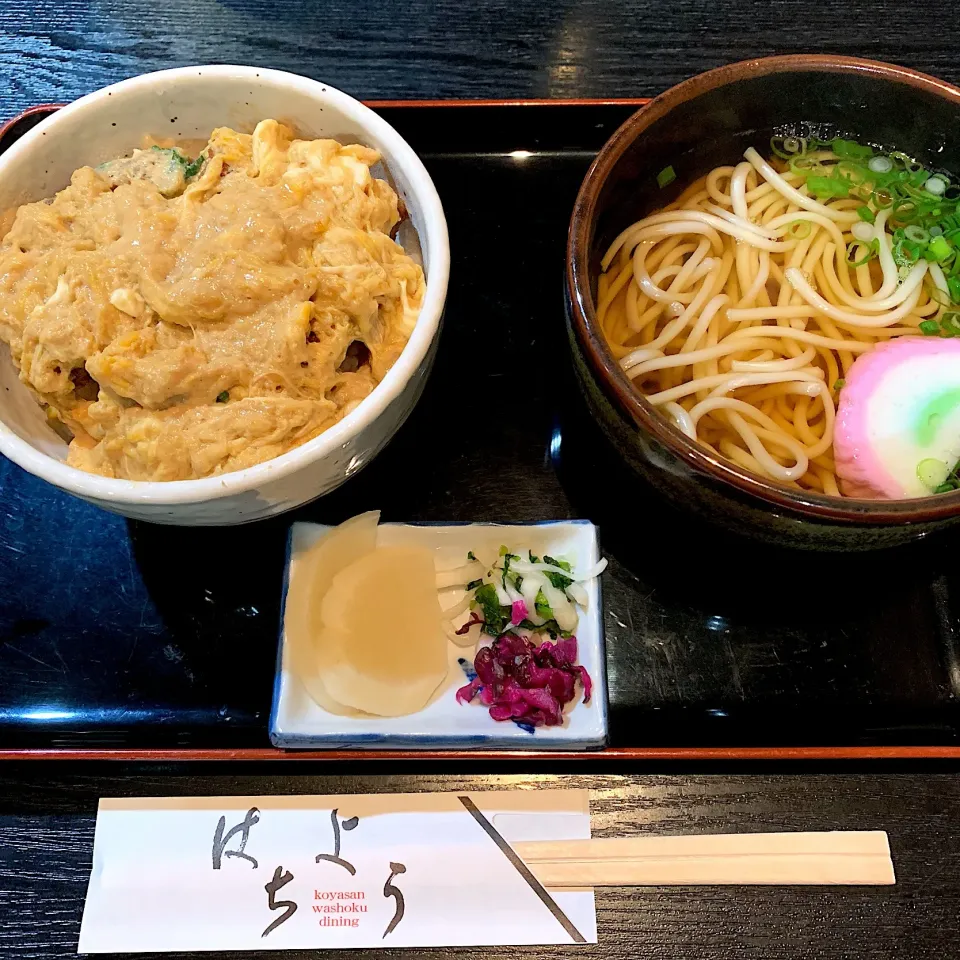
x=737, y=311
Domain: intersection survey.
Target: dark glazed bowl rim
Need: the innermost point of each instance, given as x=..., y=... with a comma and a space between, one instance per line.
x=615, y=382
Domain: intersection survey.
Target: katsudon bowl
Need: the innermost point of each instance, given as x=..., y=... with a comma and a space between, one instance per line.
x=702, y=123
x=186, y=104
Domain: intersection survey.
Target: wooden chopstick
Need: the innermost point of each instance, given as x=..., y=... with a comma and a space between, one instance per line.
x=841, y=857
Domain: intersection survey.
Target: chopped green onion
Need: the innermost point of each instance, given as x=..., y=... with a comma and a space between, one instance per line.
x=923, y=205
x=665, y=177
x=787, y=147
x=882, y=199
x=855, y=245
x=839, y=385
x=940, y=248
x=827, y=187
x=903, y=212
x=938, y=295
x=192, y=168
x=929, y=328
x=805, y=165
x=905, y=252
x=223, y=397
x=952, y=482
x=849, y=172
x=924, y=200
x=851, y=149
x=931, y=472
x=799, y=229
x=950, y=324
x=909, y=164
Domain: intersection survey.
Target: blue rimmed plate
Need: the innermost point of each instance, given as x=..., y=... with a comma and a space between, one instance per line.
x=296, y=721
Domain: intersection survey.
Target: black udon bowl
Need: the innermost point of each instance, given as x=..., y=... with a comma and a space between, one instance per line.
x=697, y=125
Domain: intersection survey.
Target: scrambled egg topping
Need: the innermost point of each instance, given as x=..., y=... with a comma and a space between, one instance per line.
x=187, y=319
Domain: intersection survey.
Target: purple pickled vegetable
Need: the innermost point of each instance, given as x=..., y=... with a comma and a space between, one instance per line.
x=507, y=711
x=545, y=701
x=510, y=649
x=488, y=668
x=518, y=680
x=467, y=693
x=466, y=627
x=565, y=651
x=587, y=684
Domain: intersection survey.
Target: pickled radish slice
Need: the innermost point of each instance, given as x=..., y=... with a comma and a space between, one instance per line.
x=381, y=647
x=313, y=683
x=310, y=578
x=897, y=431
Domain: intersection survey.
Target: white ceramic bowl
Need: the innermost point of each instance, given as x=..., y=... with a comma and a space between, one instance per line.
x=188, y=103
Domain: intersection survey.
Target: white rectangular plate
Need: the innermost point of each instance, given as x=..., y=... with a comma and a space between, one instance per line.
x=297, y=722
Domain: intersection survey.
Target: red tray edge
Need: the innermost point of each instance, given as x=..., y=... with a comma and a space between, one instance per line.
x=617, y=754
x=524, y=102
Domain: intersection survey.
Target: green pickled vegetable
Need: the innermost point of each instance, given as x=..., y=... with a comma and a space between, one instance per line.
x=495, y=617
x=556, y=579
x=543, y=608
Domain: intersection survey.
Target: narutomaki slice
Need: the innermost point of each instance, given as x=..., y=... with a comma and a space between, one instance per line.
x=897, y=432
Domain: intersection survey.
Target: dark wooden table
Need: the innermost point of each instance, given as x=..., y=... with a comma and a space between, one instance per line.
x=47, y=820
x=56, y=50
x=53, y=50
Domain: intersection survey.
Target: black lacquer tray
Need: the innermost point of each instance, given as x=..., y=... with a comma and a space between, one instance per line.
x=122, y=638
